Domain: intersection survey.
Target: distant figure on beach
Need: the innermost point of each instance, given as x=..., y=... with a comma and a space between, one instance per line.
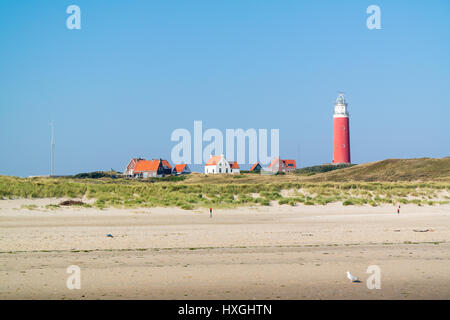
x=398, y=209
x=210, y=212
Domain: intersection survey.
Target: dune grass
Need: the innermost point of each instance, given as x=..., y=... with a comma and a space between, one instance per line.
x=122, y=193
x=392, y=170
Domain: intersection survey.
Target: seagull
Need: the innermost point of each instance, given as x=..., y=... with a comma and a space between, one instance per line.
x=352, y=277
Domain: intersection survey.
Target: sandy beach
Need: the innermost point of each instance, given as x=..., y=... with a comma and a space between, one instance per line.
x=276, y=252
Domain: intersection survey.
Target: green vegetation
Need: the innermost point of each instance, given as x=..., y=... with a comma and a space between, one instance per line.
x=322, y=168
x=391, y=170
x=415, y=181
x=29, y=206
x=52, y=206
x=167, y=178
x=125, y=193
x=96, y=175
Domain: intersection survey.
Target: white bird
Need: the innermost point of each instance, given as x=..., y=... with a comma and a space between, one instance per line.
x=352, y=277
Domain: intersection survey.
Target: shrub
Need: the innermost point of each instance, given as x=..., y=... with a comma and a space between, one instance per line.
x=186, y=206
x=263, y=201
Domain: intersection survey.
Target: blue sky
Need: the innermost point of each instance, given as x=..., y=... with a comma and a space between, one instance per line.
x=137, y=70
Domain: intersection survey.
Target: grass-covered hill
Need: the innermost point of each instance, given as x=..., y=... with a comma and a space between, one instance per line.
x=391, y=170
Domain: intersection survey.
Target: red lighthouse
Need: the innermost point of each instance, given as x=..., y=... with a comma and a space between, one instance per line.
x=341, y=132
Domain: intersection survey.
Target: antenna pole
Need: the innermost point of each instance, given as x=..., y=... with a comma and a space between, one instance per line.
x=52, y=147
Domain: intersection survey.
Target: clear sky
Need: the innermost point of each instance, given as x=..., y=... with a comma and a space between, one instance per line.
x=137, y=70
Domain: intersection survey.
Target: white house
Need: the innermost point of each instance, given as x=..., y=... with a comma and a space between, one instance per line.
x=217, y=164
x=235, y=167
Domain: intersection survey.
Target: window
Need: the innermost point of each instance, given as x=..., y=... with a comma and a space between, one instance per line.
x=343, y=127
x=226, y=170
x=220, y=170
x=343, y=146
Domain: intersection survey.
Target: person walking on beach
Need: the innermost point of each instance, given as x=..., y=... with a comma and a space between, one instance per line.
x=398, y=209
x=210, y=212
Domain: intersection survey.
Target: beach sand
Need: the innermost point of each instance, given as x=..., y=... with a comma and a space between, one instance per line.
x=276, y=252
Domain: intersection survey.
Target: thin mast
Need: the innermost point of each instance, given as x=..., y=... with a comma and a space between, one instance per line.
x=52, y=151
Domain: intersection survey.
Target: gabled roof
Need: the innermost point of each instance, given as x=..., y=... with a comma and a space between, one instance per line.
x=133, y=162
x=234, y=165
x=180, y=168
x=274, y=161
x=290, y=162
x=254, y=166
x=213, y=160
x=166, y=164
x=146, y=165
x=287, y=162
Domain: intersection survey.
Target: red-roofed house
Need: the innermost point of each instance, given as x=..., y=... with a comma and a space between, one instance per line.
x=235, y=167
x=152, y=168
x=181, y=169
x=256, y=167
x=166, y=166
x=129, y=170
x=280, y=165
